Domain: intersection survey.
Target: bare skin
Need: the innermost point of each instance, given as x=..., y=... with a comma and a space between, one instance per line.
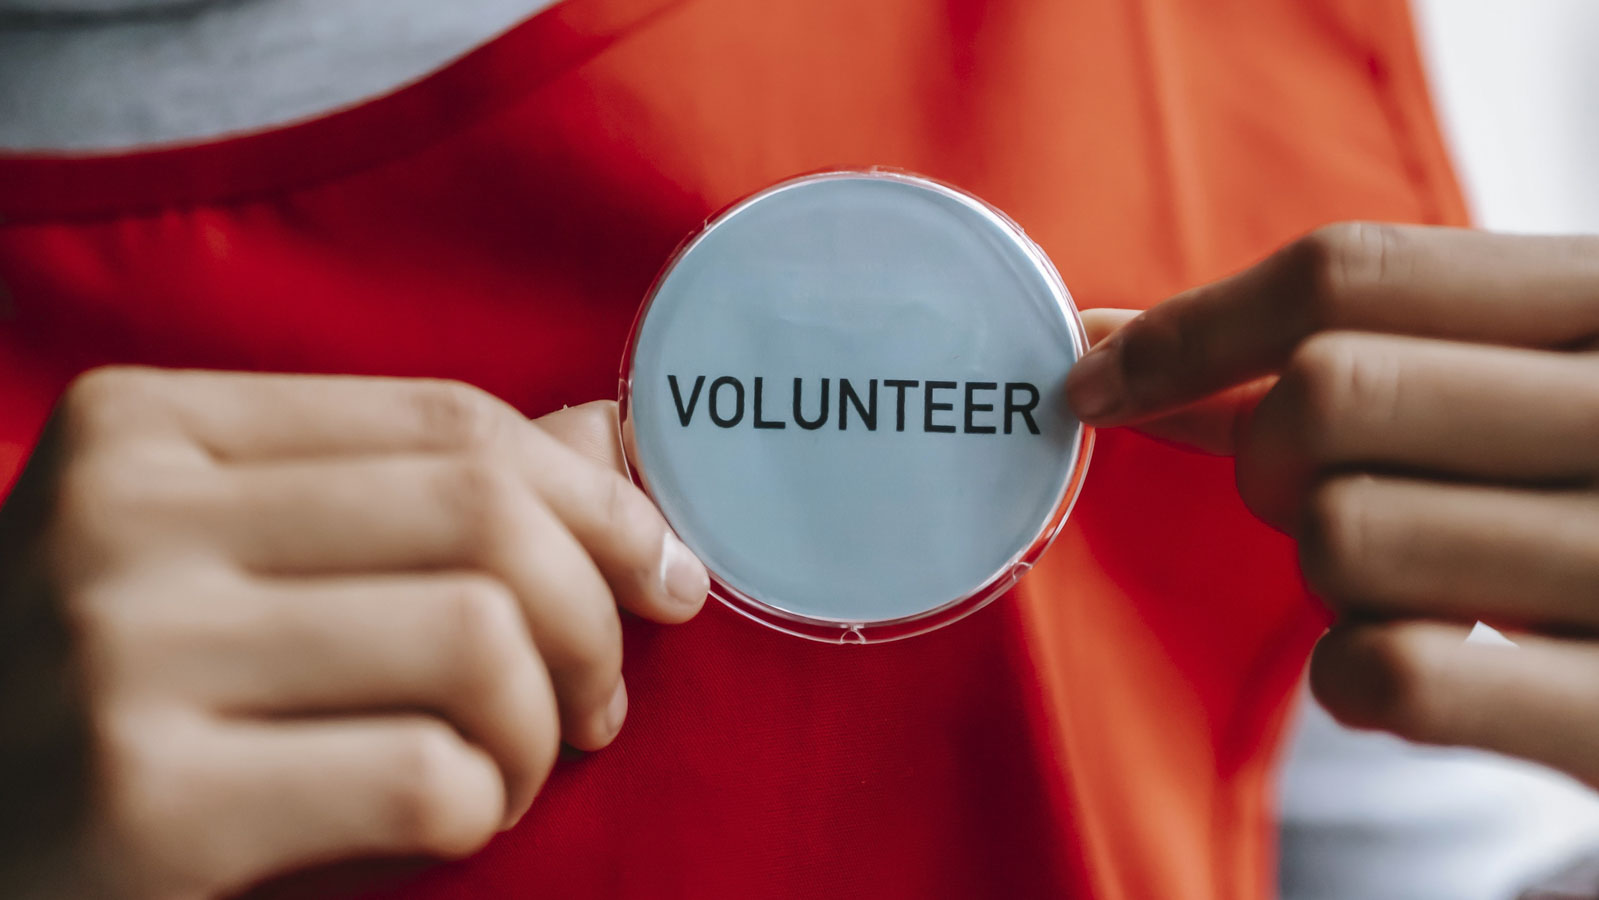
x=1419, y=408
x=303, y=618
x=295, y=619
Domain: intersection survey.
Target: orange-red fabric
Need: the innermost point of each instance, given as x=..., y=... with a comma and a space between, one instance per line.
x=1108, y=731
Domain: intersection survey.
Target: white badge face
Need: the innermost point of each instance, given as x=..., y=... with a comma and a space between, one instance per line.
x=846, y=393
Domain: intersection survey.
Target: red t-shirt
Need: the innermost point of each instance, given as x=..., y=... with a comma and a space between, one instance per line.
x=1108, y=729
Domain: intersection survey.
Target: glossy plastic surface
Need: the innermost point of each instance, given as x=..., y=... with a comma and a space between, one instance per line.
x=845, y=393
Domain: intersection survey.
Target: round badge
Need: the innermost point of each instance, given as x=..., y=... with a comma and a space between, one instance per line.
x=846, y=394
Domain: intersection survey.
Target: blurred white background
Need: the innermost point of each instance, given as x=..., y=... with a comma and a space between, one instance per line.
x=1516, y=83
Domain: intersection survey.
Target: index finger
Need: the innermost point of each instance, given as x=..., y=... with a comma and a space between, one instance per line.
x=1457, y=284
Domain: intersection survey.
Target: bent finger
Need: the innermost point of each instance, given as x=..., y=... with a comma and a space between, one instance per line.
x=441, y=513
x=1420, y=680
x=1396, y=547
x=293, y=794
x=1455, y=284
x=574, y=463
x=1416, y=404
x=455, y=644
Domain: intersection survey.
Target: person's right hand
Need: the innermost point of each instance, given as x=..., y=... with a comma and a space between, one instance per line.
x=1418, y=408
x=311, y=618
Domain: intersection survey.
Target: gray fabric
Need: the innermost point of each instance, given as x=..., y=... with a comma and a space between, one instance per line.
x=60, y=8
x=107, y=74
x=1369, y=816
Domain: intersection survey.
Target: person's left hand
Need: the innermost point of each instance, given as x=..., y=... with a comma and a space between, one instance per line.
x=1419, y=408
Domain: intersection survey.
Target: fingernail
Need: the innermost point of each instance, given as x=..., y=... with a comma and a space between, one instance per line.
x=681, y=574
x=1094, y=387
x=616, y=710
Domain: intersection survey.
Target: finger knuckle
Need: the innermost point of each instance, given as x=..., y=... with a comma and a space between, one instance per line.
x=1341, y=262
x=484, y=630
x=93, y=390
x=1374, y=677
x=1321, y=384
x=113, y=644
x=1343, y=380
x=1335, y=546
x=95, y=499
x=483, y=491
x=426, y=808
x=455, y=414
x=125, y=765
x=99, y=389
x=100, y=400
x=146, y=795
x=142, y=784
x=1259, y=452
x=113, y=513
